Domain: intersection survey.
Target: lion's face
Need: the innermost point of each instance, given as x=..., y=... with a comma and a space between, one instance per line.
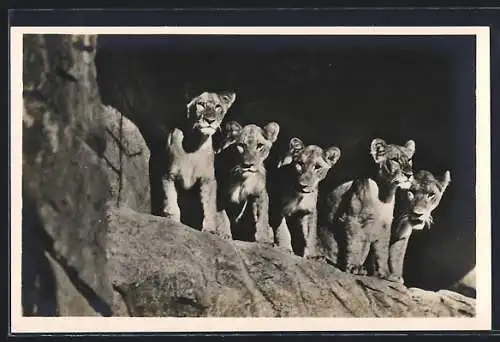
x=310, y=163
x=252, y=145
x=423, y=197
x=206, y=111
x=394, y=161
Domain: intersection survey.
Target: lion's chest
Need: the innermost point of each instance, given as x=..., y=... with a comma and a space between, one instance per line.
x=299, y=204
x=240, y=191
x=366, y=210
x=187, y=168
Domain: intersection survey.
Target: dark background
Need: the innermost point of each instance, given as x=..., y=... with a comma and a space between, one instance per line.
x=341, y=91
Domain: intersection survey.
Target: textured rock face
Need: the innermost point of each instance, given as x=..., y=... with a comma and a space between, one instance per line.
x=78, y=158
x=63, y=140
x=127, y=157
x=89, y=248
x=174, y=270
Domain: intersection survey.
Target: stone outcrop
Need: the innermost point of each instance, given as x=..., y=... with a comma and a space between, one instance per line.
x=79, y=157
x=127, y=159
x=64, y=180
x=166, y=269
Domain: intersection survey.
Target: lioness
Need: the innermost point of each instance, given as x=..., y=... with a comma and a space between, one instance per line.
x=242, y=178
x=417, y=204
x=360, y=212
x=295, y=194
x=189, y=157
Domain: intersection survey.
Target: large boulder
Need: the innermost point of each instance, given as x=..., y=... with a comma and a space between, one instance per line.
x=166, y=269
x=127, y=159
x=63, y=142
x=79, y=157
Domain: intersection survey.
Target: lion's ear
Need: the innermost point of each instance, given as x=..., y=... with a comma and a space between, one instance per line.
x=191, y=103
x=231, y=130
x=294, y=147
x=271, y=131
x=445, y=181
x=410, y=148
x=227, y=98
x=332, y=155
x=378, y=149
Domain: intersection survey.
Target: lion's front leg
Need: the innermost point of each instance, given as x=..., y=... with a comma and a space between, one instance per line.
x=357, y=247
x=208, y=197
x=171, y=208
x=381, y=254
x=260, y=211
x=223, y=225
x=283, y=237
x=397, y=252
x=308, y=224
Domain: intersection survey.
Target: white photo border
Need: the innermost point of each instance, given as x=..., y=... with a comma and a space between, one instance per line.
x=482, y=320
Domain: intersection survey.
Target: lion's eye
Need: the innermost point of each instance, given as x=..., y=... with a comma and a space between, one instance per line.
x=260, y=146
x=317, y=167
x=432, y=195
x=218, y=108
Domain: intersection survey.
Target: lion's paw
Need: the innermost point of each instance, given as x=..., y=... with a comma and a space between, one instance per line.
x=395, y=279
x=356, y=269
x=209, y=229
x=318, y=258
x=266, y=239
x=286, y=250
x=382, y=274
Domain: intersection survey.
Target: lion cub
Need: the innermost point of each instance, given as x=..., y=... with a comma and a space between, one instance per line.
x=360, y=212
x=417, y=204
x=295, y=194
x=242, y=178
x=190, y=156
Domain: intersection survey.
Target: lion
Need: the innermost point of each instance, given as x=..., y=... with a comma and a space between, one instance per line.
x=295, y=194
x=189, y=158
x=416, y=206
x=242, y=179
x=360, y=212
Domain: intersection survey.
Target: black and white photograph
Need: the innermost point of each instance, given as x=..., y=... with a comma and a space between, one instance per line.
x=250, y=178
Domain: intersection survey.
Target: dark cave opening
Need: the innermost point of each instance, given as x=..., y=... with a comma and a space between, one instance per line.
x=327, y=90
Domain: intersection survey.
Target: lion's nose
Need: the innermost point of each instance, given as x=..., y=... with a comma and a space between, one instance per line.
x=417, y=215
x=304, y=183
x=210, y=120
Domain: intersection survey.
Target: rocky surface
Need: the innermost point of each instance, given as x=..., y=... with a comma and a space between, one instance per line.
x=127, y=159
x=63, y=142
x=79, y=157
x=90, y=248
x=166, y=269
